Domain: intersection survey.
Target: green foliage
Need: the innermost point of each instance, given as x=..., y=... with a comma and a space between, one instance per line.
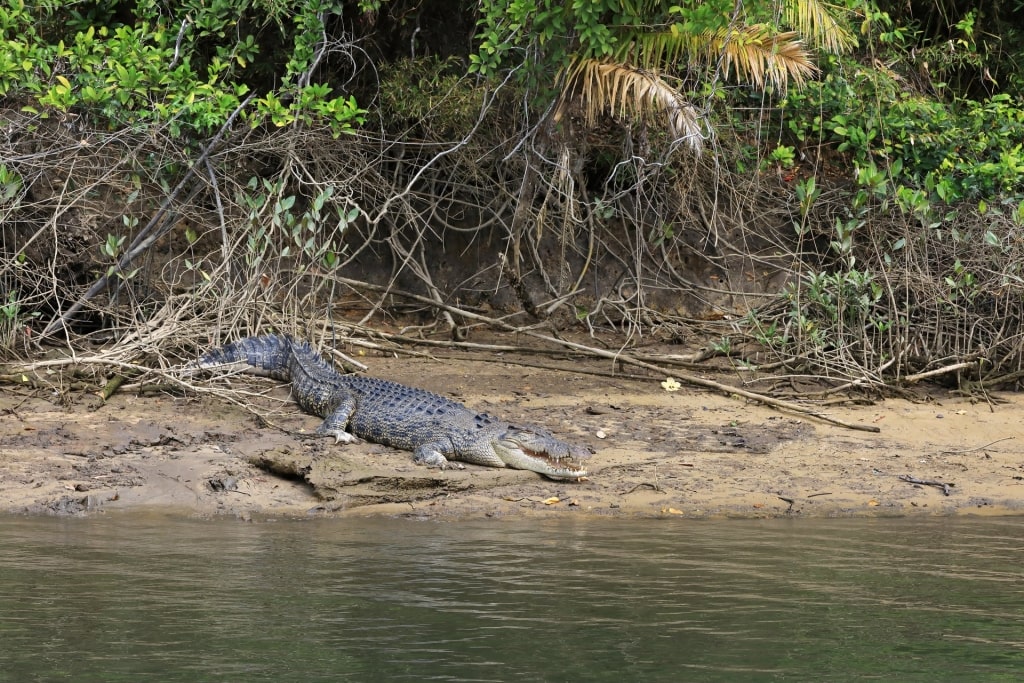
x=429, y=93
x=10, y=186
x=843, y=306
x=544, y=36
x=936, y=152
x=189, y=68
x=548, y=31
x=964, y=150
x=965, y=50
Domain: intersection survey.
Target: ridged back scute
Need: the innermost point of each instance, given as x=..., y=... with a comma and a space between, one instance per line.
x=385, y=394
x=307, y=364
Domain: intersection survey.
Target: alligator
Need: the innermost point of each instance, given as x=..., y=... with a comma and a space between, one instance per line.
x=436, y=429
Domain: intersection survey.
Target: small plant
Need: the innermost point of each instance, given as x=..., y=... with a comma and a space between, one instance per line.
x=11, y=319
x=312, y=237
x=840, y=310
x=112, y=247
x=784, y=156
x=604, y=210
x=10, y=310
x=961, y=284
x=722, y=347
x=661, y=234
x=10, y=185
x=769, y=335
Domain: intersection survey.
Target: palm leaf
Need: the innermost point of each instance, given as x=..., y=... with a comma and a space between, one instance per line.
x=599, y=86
x=761, y=56
x=755, y=53
x=813, y=20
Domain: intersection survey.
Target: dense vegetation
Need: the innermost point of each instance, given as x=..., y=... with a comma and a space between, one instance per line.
x=831, y=189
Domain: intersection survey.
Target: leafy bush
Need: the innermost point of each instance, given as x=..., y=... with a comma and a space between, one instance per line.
x=189, y=68
x=956, y=151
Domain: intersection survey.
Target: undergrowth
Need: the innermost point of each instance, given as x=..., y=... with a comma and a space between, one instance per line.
x=859, y=231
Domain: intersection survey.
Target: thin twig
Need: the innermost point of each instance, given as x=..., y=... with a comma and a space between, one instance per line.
x=977, y=448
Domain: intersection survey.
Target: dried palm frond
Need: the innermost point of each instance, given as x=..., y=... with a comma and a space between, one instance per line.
x=598, y=86
x=763, y=57
x=757, y=53
x=813, y=20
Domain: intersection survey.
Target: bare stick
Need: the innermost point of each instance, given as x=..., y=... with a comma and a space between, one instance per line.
x=944, y=487
x=911, y=379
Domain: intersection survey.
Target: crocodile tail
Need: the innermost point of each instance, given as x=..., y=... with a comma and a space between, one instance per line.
x=268, y=355
x=308, y=366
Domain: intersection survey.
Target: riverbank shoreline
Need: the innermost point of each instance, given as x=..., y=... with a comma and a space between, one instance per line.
x=659, y=454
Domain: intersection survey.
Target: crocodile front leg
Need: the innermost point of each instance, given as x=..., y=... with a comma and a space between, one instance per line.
x=432, y=453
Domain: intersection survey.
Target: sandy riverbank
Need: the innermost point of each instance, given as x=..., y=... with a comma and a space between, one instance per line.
x=686, y=453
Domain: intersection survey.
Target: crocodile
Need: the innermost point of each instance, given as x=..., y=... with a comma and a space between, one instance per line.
x=436, y=429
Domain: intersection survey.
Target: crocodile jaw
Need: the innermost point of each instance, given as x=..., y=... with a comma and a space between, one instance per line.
x=553, y=458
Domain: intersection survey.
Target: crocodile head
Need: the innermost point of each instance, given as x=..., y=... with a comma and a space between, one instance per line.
x=534, y=449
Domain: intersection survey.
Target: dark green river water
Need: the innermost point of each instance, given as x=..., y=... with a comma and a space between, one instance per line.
x=153, y=598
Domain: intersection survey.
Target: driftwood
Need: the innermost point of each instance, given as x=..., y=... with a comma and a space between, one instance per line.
x=944, y=487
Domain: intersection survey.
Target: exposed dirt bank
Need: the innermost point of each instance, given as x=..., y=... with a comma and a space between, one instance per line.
x=685, y=453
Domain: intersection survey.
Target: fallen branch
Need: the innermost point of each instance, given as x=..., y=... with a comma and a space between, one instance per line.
x=111, y=386
x=911, y=379
x=618, y=356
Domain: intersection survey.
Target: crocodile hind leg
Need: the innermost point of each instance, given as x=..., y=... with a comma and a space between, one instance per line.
x=335, y=423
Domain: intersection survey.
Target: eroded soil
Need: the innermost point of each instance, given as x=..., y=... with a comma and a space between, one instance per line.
x=658, y=454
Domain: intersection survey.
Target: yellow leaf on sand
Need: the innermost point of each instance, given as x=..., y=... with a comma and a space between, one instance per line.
x=671, y=384
x=552, y=500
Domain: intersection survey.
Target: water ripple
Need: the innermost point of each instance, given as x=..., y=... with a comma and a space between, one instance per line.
x=125, y=598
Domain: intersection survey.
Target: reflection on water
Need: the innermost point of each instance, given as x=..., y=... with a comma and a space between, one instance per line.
x=129, y=598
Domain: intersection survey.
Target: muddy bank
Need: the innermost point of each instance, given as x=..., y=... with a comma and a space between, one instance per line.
x=685, y=453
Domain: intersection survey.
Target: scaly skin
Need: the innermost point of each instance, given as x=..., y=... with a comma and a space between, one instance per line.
x=436, y=429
